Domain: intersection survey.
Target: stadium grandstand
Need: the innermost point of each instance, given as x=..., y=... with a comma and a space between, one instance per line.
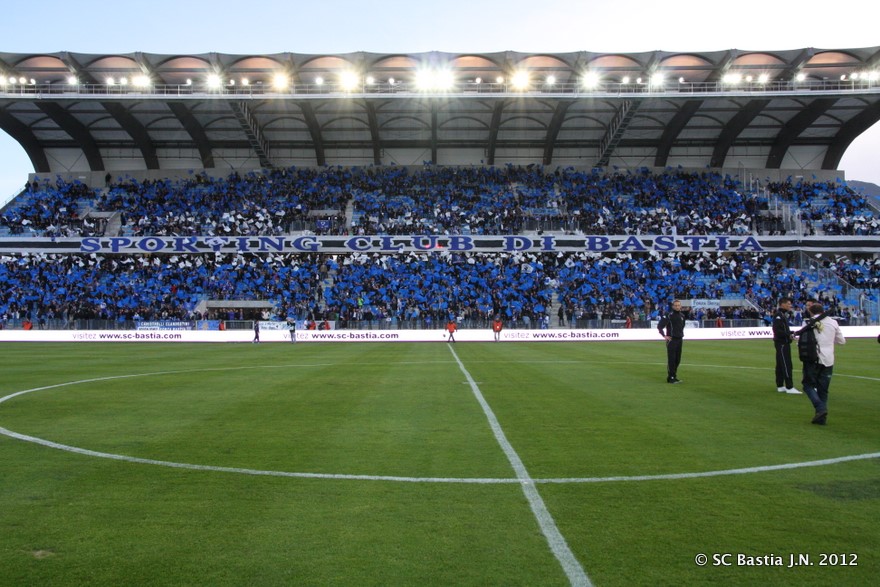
x=371, y=191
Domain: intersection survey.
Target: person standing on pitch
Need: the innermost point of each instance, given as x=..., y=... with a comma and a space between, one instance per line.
x=497, y=325
x=291, y=327
x=818, y=372
x=451, y=328
x=256, y=331
x=671, y=327
x=782, y=338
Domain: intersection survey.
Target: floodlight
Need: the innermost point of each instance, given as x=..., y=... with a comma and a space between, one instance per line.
x=591, y=80
x=12, y=80
x=657, y=79
x=33, y=82
x=370, y=80
x=232, y=82
x=245, y=82
x=520, y=80
x=801, y=77
x=390, y=81
x=72, y=81
x=551, y=79
x=349, y=80
x=280, y=81
x=445, y=79
x=749, y=79
x=479, y=80
x=625, y=79
x=763, y=78
x=319, y=80
x=499, y=80
x=424, y=79
x=189, y=82
x=123, y=81
x=732, y=78
x=214, y=81
x=873, y=76
x=110, y=81
x=681, y=80
x=141, y=81
x=638, y=80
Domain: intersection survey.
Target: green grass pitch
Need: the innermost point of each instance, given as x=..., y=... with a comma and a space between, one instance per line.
x=376, y=464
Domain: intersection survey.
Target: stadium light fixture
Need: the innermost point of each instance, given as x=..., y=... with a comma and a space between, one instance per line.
x=681, y=80
x=801, y=77
x=370, y=80
x=873, y=76
x=72, y=81
x=591, y=80
x=434, y=80
x=732, y=79
x=763, y=78
x=478, y=81
x=445, y=79
x=657, y=79
x=214, y=81
x=424, y=79
x=499, y=80
x=319, y=81
x=141, y=81
x=280, y=81
x=391, y=81
x=123, y=81
x=349, y=80
x=110, y=81
x=245, y=81
x=551, y=80
x=625, y=79
x=33, y=82
x=520, y=80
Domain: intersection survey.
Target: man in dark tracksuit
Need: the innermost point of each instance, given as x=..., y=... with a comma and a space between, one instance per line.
x=782, y=341
x=671, y=327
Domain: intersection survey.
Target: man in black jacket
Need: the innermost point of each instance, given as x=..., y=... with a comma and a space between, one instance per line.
x=671, y=327
x=782, y=338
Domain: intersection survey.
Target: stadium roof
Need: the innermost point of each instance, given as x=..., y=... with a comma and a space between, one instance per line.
x=797, y=109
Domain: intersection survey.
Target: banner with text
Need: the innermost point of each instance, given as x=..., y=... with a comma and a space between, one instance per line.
x=181, y=245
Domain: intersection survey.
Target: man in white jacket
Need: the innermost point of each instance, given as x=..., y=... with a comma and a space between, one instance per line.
x=817, y=375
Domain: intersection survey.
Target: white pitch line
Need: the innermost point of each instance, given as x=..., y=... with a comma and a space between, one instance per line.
x=570, y=565
x=402, y=479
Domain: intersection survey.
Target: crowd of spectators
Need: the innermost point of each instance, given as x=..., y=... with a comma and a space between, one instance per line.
x=50, y=210
x=433, y=200
x=125, y=288
x=266, y=203
x=424, y=289
x=409, y=289
x=834, y=207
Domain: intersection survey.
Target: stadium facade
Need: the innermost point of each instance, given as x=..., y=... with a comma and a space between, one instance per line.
x=778, y=113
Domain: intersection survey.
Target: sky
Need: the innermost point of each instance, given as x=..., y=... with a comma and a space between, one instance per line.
x=344, y=26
